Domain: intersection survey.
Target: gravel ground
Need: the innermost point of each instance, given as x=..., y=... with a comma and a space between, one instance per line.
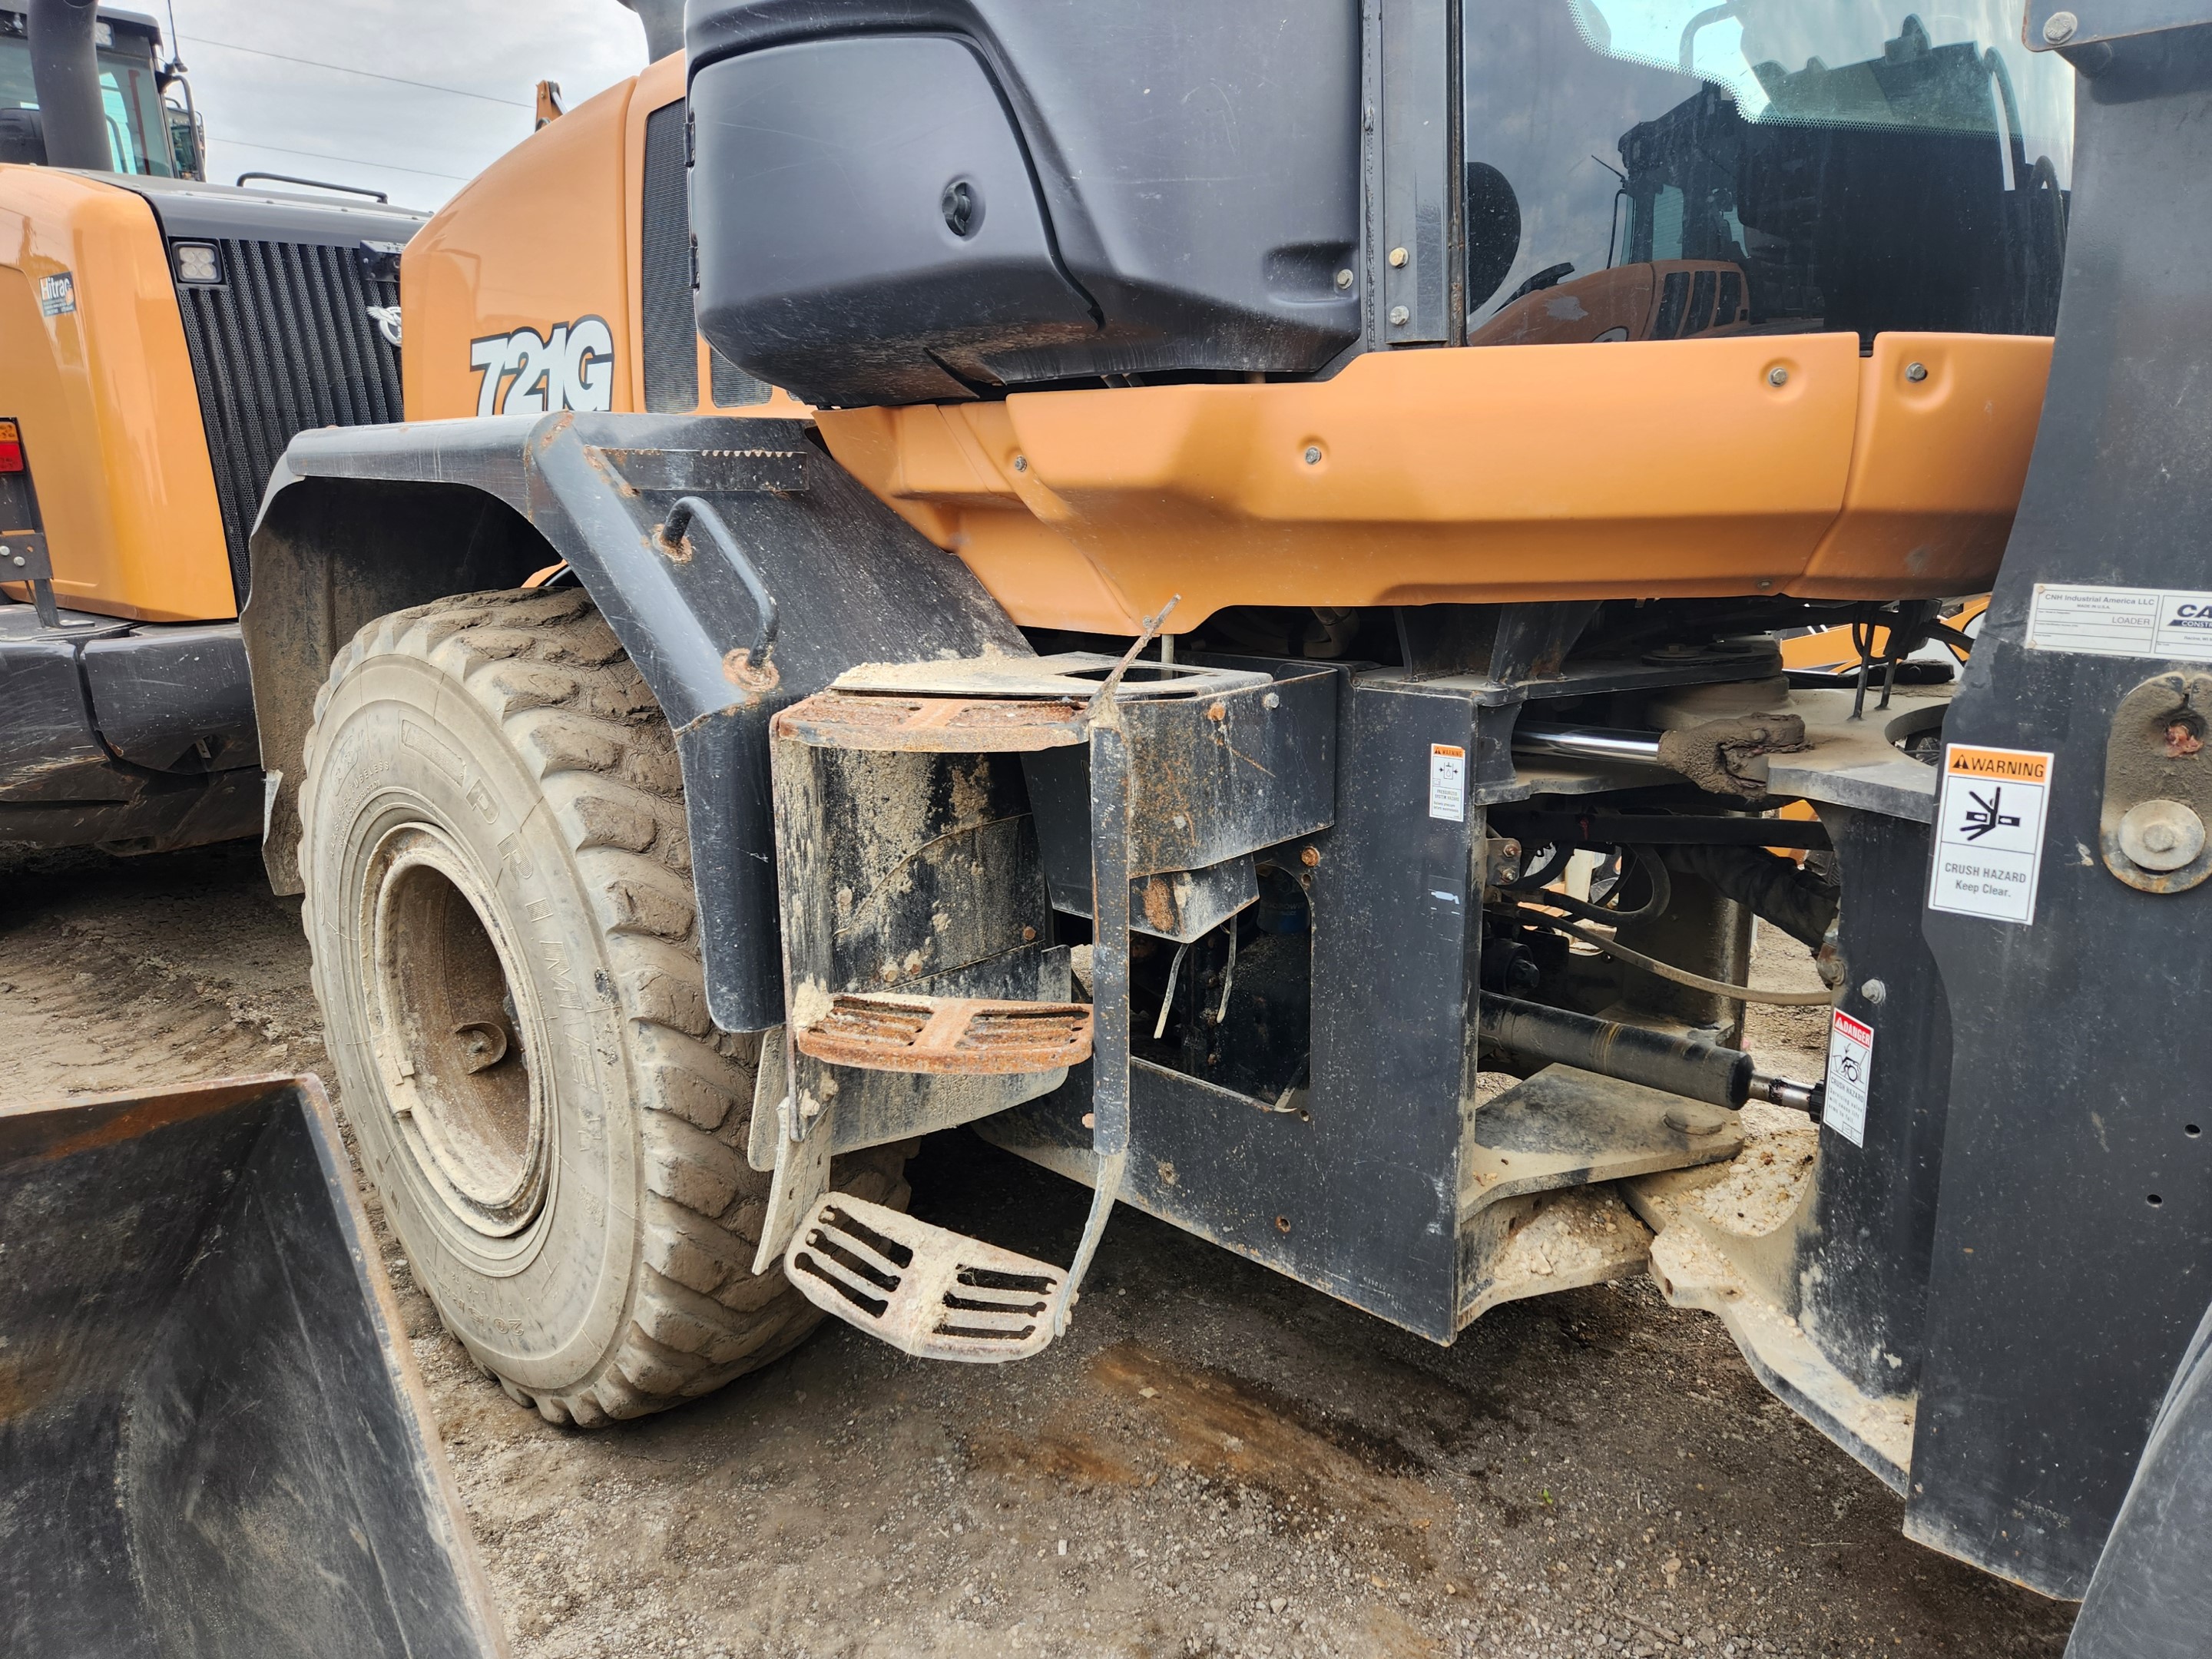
x=1215, y=1460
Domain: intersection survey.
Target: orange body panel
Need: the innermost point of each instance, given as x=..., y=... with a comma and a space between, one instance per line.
x=535, y=242
x=1937, y=465
x=1638, y=469
x=548, y=237
x=1722, y=465
x=110, y=412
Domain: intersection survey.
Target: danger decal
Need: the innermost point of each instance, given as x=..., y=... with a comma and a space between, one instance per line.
x=571, y=366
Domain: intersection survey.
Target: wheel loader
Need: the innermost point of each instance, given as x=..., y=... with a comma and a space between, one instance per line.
x=1252, y=495
x=162, y=339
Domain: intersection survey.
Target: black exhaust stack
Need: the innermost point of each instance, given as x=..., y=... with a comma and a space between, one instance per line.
x=65, y=76
x=664, y=26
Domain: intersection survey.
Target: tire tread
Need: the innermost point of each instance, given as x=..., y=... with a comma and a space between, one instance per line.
x=550, y=672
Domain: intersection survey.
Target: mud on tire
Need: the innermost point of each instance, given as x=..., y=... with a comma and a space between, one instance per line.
x=500, y=909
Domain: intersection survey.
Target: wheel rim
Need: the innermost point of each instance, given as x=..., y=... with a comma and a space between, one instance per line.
x=455, y=1030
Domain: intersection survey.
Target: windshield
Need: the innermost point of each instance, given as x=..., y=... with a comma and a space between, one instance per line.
x=1643, y=169
x=137, y=130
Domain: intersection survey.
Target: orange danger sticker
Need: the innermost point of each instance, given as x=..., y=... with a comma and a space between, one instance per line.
x=2015, y=765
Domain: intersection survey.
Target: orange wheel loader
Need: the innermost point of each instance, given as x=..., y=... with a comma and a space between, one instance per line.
x=162, y=339
x=1251, y=493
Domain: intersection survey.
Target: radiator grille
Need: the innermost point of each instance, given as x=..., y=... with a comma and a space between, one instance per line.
x=283, y=344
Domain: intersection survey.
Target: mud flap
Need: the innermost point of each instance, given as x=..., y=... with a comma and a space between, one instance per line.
x=214, y=1440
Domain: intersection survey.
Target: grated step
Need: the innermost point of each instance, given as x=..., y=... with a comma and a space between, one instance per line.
x=927, y=1290
x=885, y=1033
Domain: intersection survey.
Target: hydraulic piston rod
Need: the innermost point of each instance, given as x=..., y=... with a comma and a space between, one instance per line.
x=1586, y=743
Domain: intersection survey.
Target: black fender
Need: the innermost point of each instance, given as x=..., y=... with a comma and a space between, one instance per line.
x=2151, y=1597
x=358, y=521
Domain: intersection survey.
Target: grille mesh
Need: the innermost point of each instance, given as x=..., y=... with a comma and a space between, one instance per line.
x=671, y=338
x=285, y=343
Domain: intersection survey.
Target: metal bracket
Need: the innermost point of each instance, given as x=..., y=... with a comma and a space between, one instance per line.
x=2158, y=785
x=24, y=558
x=2063, y=24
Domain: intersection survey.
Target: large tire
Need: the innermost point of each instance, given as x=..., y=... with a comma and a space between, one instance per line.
x=504, y=946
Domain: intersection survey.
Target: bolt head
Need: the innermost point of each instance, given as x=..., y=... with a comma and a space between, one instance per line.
x=2059, y=27
x=1344, y=279
x=2161, y=835
x=1313, y=454
x=1309, y=857
x=1021, y=463
x=1875, y=992
x=1397, y=258
x=1271, y=701
x=1777, y=376
x=1399, y=316
x=1916, y=372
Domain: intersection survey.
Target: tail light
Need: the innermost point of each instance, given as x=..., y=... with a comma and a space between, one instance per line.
x=11, y=447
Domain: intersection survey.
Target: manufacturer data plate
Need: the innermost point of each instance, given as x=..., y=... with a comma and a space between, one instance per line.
x=1850, y=1062
x=2122, y=622
x=1447, y=781
x=1989, y=832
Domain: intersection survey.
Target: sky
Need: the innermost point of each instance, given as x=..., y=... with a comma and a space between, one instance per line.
x=265, y=112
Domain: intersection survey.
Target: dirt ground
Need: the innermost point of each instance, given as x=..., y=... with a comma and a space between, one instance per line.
x=1214, y=1461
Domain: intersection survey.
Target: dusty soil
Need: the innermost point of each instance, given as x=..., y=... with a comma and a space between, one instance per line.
x=1215, y=1460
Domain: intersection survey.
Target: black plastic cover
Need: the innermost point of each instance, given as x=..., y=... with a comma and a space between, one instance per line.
x=903, y=201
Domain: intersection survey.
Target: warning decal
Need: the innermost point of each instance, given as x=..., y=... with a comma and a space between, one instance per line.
x=1447, y=781
x=1850, y=1062
x=1989, y=832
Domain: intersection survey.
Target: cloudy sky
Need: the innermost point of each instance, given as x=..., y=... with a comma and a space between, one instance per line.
x=327, y=118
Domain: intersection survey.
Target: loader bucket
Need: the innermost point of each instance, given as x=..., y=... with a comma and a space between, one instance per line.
x=212, y=1439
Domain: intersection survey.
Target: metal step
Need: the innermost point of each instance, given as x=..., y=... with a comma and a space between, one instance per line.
x=931, y=1292
x=978, y=1035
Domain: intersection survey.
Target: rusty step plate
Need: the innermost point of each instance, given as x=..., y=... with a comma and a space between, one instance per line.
x=928, y=1292
x=959, y=725
x=974, y=1035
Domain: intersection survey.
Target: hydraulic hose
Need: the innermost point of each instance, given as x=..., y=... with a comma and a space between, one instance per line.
x=1771, y=888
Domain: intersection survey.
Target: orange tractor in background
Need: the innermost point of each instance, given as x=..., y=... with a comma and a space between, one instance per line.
x=162, y=339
